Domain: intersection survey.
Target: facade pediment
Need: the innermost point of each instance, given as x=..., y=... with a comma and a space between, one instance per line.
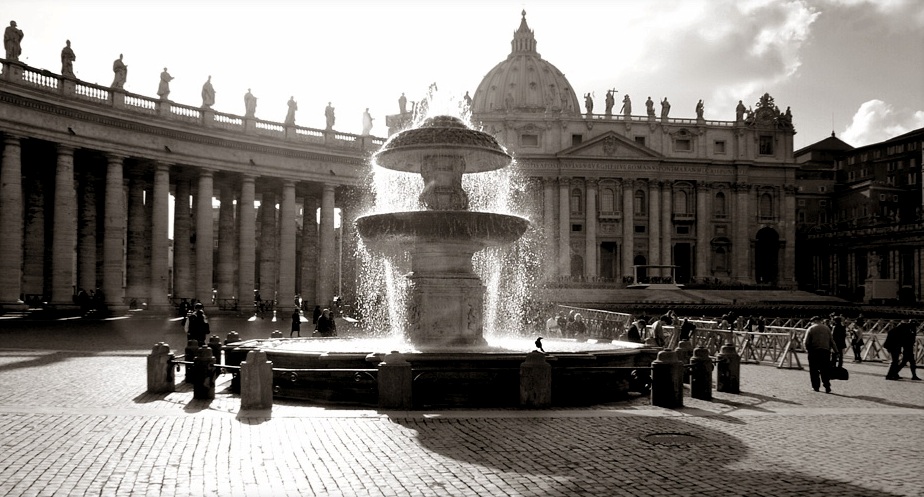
x=610, y=145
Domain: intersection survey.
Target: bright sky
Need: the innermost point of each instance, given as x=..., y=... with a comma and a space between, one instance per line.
x=855, y=67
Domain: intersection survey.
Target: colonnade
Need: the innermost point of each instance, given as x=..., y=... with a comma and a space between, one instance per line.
x=103, y=224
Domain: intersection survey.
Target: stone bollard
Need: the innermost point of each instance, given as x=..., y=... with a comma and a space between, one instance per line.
x=395, y=382
x=684, y=353
x=232, y=338
x=256, y=381
x=161, y=375
x=189, y=355
x=701, y=374
x=276, y=334
x=728, y=370
x=667, y=380
x=215, y=345
x=204, y=375
x=535, y=381
x=234, y=358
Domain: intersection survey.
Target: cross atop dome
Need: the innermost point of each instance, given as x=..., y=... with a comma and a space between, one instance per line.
x=523, y=38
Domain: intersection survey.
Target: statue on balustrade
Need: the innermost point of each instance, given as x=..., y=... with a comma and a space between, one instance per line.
x=739, y=111
x=468, y=102
x=250, y=104
x=610, y=102
x=588, y=103
x=67, y=60
x=290, y=115
x=329, y=116
x=402, y=104
x=626, y=106
x=11, y=39
x=872, y=263
x=699, y=110
x=208, y=94
x=367, y=122
x=649, y=107
x=665, y=108
x=163, y=89
x=121, y=73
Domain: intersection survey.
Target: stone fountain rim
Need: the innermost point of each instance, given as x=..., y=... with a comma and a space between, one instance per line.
x=477, y=159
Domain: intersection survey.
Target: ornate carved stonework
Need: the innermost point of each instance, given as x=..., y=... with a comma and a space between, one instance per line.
x=610, y=144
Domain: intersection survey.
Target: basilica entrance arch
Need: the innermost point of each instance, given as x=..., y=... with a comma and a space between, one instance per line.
x=766, y=256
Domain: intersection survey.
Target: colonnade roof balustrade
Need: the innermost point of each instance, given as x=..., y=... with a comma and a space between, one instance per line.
x=40, y=104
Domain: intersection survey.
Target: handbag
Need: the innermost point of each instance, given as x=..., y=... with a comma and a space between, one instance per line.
x=839, y=373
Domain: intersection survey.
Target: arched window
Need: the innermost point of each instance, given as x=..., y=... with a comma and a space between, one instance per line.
x=680, y=202
x=577, y=201
x=640, y=203
x=766, y=206
x=607, y=200
x=720, y=207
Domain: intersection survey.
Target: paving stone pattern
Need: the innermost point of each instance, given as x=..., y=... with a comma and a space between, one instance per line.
x=75, y=420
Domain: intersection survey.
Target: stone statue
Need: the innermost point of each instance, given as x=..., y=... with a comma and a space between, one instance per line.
x=788, y=116
x=626, y=106
x=11, y=39
x=250, y=104
x=367, y=122
x=163, y=89
x=872, y=264
x=665, y=108
x=649, y=107
x=402, y=104
x=739, y=111
x=468, y=102
x=610, y=102
x=121, y=73
x=208, y=94
x=290, y=114
x=699, y=110
x=508, y=102
x=329, y=116
x=588, y=103
x=67, y=60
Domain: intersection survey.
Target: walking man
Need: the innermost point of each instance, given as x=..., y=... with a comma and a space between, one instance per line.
x=818, y=342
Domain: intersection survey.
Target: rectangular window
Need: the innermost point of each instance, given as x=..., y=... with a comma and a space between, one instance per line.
x=577, y=227
x=801, y=202
x=912, y=179
x=640, y=228
x=765, y=145
x=720, y=146
x=640, y=140
x=683, y=230
x=529, y=140
x=683, y=145
x=577, y=140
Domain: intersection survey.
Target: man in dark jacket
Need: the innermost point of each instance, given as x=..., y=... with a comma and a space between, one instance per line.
x=818, y=342
x=899, y=343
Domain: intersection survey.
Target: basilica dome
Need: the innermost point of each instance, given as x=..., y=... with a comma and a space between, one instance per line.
x=524, y=82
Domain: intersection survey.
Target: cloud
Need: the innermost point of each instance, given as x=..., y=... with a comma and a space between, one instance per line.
x=906, y=14
x=877, y=121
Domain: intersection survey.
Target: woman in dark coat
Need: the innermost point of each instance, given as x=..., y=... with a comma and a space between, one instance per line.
x=296, y=323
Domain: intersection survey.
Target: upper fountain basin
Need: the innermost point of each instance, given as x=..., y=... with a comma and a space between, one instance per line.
x=480, y=228
x=442, y=136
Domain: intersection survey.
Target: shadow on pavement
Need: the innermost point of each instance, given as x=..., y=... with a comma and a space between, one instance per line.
x=887, y=402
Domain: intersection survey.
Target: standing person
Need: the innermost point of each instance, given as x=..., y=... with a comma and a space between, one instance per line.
x=687, y=332
x=163, y=89
x=67, y=60
x=818, y=342
x=893, y=344
x=657, y=331
x=839, y=334
x=856, y=340
x=326, y=325
x=577, y=328
x=761, y=324
x=198, y=324
x=296, y=323
x=634, y=334
x=908, y=349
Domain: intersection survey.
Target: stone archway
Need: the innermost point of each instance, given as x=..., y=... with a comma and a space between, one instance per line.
x=766, y=256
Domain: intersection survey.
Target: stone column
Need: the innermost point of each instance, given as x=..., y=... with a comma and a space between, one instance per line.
x=114, y=234
x=789, y=235
x=590, y=233
x=702, y=231
x=64, y=242
x=667, y=225
x=267, y=282
x=628, y=227
x=160, y=238
x=327, y=253
x=741, y=246
x=86, y=233
x=33, y=266
x=11, y=222
x=654, y=226
x=182, y=247
x=548, y=223
x=287, y=269
x=225, y=276
x=310, y=248
x=204, y=237
x=564, y=227
x=134, y=254
x=246, y=243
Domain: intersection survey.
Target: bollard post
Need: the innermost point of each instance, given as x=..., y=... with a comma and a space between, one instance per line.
x=215, y=345
x=276, y=334
x=701, y=374
x=161, y=375
x=204, y=374
x=535, y=381
x=232, y=338
x=728, y=374
x=684, y=353
x=256, y=381
x=189, y=355
x=233, y=358
x=395, y=381
x=667, y=380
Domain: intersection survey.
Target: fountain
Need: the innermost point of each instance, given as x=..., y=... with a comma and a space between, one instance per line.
x=444, y=340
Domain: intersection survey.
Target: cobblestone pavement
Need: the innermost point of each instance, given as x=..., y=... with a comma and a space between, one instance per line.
x=75, y=420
